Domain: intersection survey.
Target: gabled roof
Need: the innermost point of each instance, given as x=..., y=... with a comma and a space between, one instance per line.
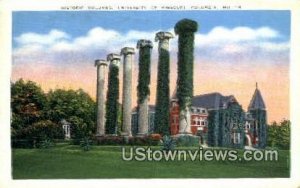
x=209, y=101
x=212, y=100
x=257, y=101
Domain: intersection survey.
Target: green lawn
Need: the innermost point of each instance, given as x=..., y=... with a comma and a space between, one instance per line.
x=68, y=161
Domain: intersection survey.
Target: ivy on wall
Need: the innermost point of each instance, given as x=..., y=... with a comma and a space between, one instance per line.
x=185, y=29
x=112, y=98
x=143, y=90
x=162, y=94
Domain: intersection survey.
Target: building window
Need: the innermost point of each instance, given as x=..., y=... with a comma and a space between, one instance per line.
x=202, y=123
x=236, y=138
x=198, y=110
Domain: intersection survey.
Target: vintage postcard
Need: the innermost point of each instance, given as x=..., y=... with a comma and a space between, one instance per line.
x=114, y=93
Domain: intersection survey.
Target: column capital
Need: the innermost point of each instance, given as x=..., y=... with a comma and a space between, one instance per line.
x=112, y=56
x=186, y=26
x=127, y=50
x=163, y=35
x=99, y=62
x=144, y=43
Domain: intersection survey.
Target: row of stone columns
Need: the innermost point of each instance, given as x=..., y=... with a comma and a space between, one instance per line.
x=128, y=59
x=182, y=28
x=114, y=60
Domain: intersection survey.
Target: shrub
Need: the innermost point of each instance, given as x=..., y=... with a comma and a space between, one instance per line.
x=151, y=140
x=38, y=132
x=45, y=144
x=168, y=143
x=155, y=137
x=86, y=143
x=187, y=140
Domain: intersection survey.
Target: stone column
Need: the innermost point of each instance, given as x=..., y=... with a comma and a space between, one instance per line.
x=163, y=81
x=112, y=103
x=144, y=47
x=128, y=58
x=185, y=29
x=101, y=72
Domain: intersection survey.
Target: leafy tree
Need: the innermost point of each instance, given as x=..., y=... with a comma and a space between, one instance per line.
x=28, y=102
x=42, y=130
x=111, y=123
x=76, y=107
x=279, y=134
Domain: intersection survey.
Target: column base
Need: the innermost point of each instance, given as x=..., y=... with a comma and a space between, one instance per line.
x=184, y=133
x=126, y=134
x=100, y=135
x=142, y=135
x=111, y=135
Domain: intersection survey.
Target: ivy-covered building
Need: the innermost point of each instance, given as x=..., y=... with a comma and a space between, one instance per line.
x=223, y=121
x=218, y=120
x=256, y=118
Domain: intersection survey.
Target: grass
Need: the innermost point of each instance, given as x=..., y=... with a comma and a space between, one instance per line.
x=71, y=162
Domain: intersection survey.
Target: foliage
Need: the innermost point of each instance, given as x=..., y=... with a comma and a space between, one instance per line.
x=185, y=28
x=188, y=140
x=64, y=104
x=155, y=136
x=168, y=143
x=279, y=135
x=260, y=119
x=144, y=74
x=134, y=141
x=41, y=130
x=112, y=101
x=221, y=124
x=37, y=116
x=77, y=108
x=85, y=143
x=213, y=128
x=45, y=144
x=28, y=102
x=162, y=94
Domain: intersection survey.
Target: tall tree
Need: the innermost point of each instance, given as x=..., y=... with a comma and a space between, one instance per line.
x=28, y=102
x=279, y=134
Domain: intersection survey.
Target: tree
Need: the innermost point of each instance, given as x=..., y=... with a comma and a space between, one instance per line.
x=279, y=134
x=44, y=129
x=76, y=107
x=28, y=102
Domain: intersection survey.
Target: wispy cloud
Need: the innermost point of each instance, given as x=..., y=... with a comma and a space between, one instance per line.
x=219, y=43
x=57, y=59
